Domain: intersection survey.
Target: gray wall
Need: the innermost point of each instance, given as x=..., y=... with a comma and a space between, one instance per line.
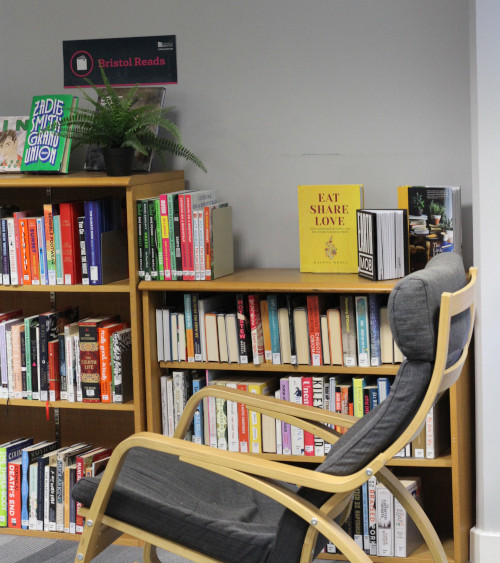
x=273, y=94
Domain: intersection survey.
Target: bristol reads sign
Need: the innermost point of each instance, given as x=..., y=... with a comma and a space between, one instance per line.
x=126, y=61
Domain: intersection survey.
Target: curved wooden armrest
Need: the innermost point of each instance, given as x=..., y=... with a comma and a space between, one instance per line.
x=311, y=419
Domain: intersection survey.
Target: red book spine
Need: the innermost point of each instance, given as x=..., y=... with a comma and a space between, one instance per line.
x=314, y=321
x=256, y=329
x=54, y=375
x=24, y=249
x=70, y=242
x=243, y=435
x=33, y=251
x=307, y=399
x=14, y=495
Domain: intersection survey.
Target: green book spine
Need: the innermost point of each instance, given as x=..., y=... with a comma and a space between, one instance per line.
x=146, y=241
x=140, y=240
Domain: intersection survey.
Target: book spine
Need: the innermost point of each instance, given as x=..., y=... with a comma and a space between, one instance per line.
x=207, y=238
x=256, y=332
x=71, y=260
x=243, y=329
x=201, y=245
x=363, y=338
x=24, y=247
x=357, y=517
x=54, y=375
x=89, y=363
x=33, y=252
x=286, y=429
x=196, y=327
x=384, y=508
x=295, y=386
x=429, y=435
x=171, y=235
x=165, y=237
x=3, y=487
x=243, y=426
x=23, y=364
x=374, y=329
x=152, y=236
x=348, y=323
x=159, y=239
x=358, y=384
x=372, y=515
x=272, y=301
x=83, y=250
x=307, y=399
x=93, y=231
x=196, y=247
x=140, y=240
x=12, y=249
x=42, y=250
x=5, y=253
x=367, y=253
x=50, y=243
x=364, y=513
x=16, y=362
x=62, y=367
x=198, y=431
x=183, y=235
x=58, y=250
x=313, y=318
x=52, y=498
x=189, y=236
x=33, y=495
x=14, y=500
x=319, y=401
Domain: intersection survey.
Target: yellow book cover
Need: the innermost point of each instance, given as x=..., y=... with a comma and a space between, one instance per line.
x=327, y=227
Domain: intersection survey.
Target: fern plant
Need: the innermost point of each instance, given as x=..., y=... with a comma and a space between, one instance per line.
x=114, y=122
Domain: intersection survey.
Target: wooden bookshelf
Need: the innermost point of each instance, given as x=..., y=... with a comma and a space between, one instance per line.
x=446, y=481
x=102, y=424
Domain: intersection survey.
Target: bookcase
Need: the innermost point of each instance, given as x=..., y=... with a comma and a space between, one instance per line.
x=446, y=480
x=102, y=424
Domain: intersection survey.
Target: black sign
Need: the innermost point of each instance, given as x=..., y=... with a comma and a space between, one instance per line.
x=126, y=61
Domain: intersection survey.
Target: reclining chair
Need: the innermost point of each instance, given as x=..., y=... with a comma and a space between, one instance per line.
x=209, y=505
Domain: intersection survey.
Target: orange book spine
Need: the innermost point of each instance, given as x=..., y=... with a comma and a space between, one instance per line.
x=243, y=432
x=25, y=251
x=208, y=247
x=33, y=251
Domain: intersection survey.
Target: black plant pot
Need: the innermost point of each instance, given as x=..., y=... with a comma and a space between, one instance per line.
x=118, y=161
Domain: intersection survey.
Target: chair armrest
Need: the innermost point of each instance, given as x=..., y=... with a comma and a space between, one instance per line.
x=311, y=419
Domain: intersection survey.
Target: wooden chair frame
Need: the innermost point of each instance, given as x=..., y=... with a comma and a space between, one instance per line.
x=264, y=475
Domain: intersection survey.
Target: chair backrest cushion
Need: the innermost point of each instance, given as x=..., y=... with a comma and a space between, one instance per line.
x=414, y=315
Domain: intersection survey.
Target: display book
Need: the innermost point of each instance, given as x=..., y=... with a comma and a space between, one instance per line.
x=434, y=221
x=44, y=150
x=56, y=356
x=276, y=328
x=327, y=227
x=74, y=242
x=12, y=141
x=36, y=481
x=184, y=235
x=147, y=96
x=382, y=243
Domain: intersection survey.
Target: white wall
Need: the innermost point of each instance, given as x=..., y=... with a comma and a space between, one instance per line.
x=485, y=51
x=275, y=94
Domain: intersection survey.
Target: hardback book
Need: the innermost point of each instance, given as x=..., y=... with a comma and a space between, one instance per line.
x=105, y=333
x=386, y=340
x=256, y=332
x=272, y=302
x=148, y=95
x=222, y=338
x=49, y=211
x=44, y=150
x=319, y=382
x=286, y=427
x=406, y=534
x=284, y=335
x=198, y=430
x=43, y=462
x=260, y=386
x=348, y=325
x=212, y=303
x=327, y=227
x=314, y=324
x=434, y=221
x=232, y=338
x=437, y=428
x=89, y=357
x=295, y=394
x=12, y=141
x=362, y=330
x=301, y=335
x=53, y=370
x=243, y=324
x=335, y=336
x=71, y=256
x=83, y=250
x=384, y=504
x=382, y=243
x=307, y=399
x=211, y=338
x=174, y=234
x=14, y=493
x=374, y=302
x=325, y=340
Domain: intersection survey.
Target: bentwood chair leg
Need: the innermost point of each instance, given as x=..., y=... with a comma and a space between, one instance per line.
x=149, y=554
x=94, y=540
x=416, y=513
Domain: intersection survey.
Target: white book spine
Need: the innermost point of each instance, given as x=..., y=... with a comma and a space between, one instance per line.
x=167, y=351
x=429, y=435
x=372, y=515
x=159, y=335
x=11, y=237
x=164, y=407
x=70, y=367
x=170, y=406
x=46, y=498
x=295, y=384
x=10, y=375
x=181, y=323
x=279, y=428
x=33, y=495
x=233, y=441
x=384, y=506
x=78, y=371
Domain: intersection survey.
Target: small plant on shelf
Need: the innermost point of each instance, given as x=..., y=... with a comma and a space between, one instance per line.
x=113, y=122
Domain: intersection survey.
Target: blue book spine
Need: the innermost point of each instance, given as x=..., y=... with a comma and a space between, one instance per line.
x=363, y=337
x=188, y=319
x=42, y=250
x=384, y=386
x=373, y=397
x=374, y=322
x=24, y=490
x=364, y=506
x=272, y=305
x=198, y=431
x=93, y=231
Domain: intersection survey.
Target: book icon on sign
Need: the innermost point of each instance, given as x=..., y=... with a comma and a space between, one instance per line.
x=81, y=63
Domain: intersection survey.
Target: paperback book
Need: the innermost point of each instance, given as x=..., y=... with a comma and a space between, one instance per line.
x=12, y=140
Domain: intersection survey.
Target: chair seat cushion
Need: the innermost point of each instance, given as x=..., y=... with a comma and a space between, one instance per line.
x=188, y=505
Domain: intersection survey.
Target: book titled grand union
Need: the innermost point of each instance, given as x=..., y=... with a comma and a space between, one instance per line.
x=327, y=227
x=44, y=149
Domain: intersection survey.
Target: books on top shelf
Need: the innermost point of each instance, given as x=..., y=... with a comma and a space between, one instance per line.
x=345, y=329
x=66, y=243
x=382, y=243
x=44, y=150
x=184, y=235
x=12, y=141
x=45, y=357
x=434, y=221
x=327, y=227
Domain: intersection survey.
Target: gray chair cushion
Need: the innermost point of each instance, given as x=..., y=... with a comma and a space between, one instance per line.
x=196, y=508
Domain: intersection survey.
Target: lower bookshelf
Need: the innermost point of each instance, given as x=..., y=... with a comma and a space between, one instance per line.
x=123, y=540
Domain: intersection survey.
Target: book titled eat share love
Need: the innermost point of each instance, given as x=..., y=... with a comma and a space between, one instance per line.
x=327, y=227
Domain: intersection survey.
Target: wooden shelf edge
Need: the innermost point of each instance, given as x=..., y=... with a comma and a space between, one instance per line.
x=420, y=555
x=123, y=540
x=121, y=286
x=67, y=405
x=440, y=462
x=386, y=369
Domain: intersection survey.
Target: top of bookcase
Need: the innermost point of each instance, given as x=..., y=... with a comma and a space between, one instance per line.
x=85, y=179
x=279, y=280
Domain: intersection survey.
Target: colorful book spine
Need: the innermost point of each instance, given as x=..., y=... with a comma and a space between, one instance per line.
x=374, y=329
x=58, y=249
x=272, y=301
x=286, y=427
x=243, y=424
x=104, y=336
x=12, y=249
x=14, y=494
x=314, y=323
x=165, y=237
x=153, y=238
x=42, y=250
x=53, y=371
x=83, y=250
x=24, y=251
x=93, y=232
x=140, y=240
x=89, y=359
x=48, y=213
x=33, y=251
x=70, y=242
x=256, y=332
x=307, y=399
x=362, y=330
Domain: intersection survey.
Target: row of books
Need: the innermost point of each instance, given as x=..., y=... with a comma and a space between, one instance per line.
x=36, y=483
x=318, y=329
x=378, y=522
x=184, y=235
x=59, y=244
x=231, y=426
x=57, y=356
